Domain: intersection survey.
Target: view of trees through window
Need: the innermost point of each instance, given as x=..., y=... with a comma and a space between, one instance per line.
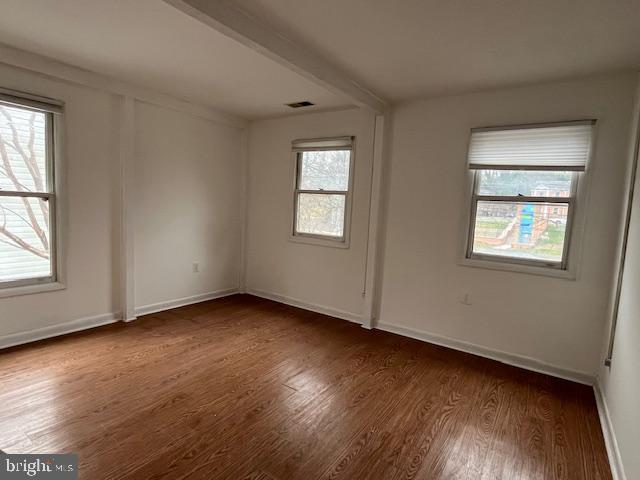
x=323, y=182
x=528, y=230
x=25, y=249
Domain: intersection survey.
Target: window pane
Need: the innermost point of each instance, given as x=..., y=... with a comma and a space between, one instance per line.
x=320, y=214
x=326, y=170
x=534, y=231
x=24, y=238
x=22, y=150
x=522, y=182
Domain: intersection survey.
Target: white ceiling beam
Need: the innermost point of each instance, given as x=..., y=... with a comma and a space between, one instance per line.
x=232, y=21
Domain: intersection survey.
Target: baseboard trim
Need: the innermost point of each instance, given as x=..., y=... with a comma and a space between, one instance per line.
x=181, y=302
x=21, y=338
x=520, y=361
x=332, y=312
x=86, y=323
x=610, y=441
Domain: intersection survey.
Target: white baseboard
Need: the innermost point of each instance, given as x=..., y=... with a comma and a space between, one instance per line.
x=613, y=452
x=60, y=329
x=332, y=312
x=181, y=302
x=527, y=363
x=521, y=361
x=21, y=338
x=509, y=358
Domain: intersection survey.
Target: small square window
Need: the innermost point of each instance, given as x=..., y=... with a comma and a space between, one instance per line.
x=325, y=170
x=519, y=230
x=320, y=214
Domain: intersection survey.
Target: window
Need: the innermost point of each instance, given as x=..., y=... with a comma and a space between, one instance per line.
x=323, y=189
x=524, y=192
x=27, y=191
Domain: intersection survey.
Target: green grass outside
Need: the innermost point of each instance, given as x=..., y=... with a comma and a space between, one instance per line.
x=491, y=226
x=550, y=243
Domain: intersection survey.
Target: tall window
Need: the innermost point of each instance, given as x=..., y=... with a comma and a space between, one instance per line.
x=524, y=191
x=323, y=188
x=27, y=192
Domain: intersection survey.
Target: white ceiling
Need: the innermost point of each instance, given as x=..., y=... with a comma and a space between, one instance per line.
x=152, y=44
x=400, y=49
x=404, y=49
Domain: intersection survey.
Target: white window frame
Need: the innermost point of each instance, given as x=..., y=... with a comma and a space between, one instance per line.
x=567, y=268
x=322, y=144
x=53, y=110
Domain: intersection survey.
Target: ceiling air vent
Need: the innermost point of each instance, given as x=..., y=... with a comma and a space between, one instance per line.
x=304, y=103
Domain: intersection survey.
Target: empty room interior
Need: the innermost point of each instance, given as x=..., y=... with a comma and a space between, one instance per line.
x=338, y=239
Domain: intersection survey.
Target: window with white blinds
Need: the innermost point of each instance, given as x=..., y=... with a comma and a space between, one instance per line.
x=524, y=184
x=27, y=192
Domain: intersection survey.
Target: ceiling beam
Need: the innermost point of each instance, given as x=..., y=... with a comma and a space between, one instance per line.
x=230, y=20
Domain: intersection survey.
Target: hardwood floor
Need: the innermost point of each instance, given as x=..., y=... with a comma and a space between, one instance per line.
x=244, y=388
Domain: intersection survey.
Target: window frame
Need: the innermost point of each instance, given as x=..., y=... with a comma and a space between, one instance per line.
x=567, y=268
x=568, y=201
x=53, y=111
x=314, y=145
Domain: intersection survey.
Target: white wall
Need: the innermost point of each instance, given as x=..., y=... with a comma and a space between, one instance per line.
x=620, y=384
x=188, y=208
x=555, y=321
x=314, y=275
x=187, y=205
x=186, y=200
x=91, y=173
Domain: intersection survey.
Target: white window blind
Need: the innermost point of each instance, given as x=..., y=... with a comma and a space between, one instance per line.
x=563, y=146
x=319, y=144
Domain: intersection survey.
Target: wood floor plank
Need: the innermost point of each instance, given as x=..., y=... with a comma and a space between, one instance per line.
x=245, y=388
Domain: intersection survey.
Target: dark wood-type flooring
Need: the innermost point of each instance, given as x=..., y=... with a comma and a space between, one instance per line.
x=245, y=388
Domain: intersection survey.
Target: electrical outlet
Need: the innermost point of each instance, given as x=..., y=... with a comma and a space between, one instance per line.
x=465, y=299
x=195, y=267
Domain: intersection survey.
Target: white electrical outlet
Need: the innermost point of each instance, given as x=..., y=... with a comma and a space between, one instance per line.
x=465, y=299
x=195, y=267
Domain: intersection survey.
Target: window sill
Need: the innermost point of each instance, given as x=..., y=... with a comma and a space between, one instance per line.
x=31, y=289
x=319, y=241
x=518, y=268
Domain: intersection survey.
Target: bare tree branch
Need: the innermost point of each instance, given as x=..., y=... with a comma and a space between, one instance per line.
x=22, y=244
x=37, y=179
x=32, y=217
x=29, y=159
x=30, y=162
x=17, y=241
x=21, y=186
x=15, y=213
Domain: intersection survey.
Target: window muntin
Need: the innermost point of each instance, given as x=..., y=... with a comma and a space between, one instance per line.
x=322, y=188
x=27, y=193
x=524, y=191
